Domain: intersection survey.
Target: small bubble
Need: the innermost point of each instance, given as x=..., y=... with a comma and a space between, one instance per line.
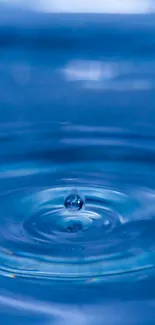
x=106, y=223
x=74, y=202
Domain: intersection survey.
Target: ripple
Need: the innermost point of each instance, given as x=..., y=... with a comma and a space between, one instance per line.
x=108, y=230
x=79, y=204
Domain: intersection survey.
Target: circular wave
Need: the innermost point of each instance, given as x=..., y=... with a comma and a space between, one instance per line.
x=77, y=207
x=81, y=228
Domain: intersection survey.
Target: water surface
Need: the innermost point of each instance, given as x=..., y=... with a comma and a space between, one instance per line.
x=77, y=154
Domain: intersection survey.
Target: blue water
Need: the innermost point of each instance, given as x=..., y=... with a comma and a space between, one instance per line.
x=77, y=169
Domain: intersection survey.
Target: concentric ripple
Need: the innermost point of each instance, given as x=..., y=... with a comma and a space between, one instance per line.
x=77, y=231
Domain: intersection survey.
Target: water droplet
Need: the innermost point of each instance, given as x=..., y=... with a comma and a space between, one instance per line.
x=74, y=202
x=74, y=227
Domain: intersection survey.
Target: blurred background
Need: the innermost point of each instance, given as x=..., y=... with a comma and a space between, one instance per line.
x=99, y=6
